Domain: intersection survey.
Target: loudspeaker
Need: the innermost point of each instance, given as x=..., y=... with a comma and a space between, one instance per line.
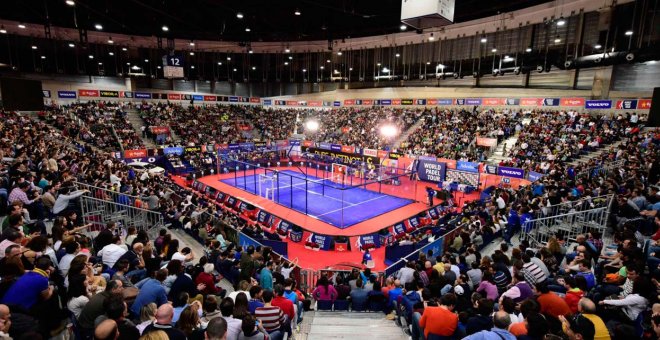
x=654, y=112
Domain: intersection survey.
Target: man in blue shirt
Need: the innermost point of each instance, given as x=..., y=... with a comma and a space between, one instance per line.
x=255, y=299
x=502, y=321
x=394, y=294
x=266, y=276
x=359, y=296
x=32, y=287
x=512, y=225
x=151, y=290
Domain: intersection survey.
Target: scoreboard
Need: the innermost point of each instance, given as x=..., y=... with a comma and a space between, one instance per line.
x=173, y=65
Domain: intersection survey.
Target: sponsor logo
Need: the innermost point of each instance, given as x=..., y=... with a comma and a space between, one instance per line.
x=88, y=93
x=66, y=94
x=370, y=152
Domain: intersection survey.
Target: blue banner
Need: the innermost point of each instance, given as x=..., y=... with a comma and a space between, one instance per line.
x=234, y=146
x=445, y=101
x=467, y=166
x=533, y=176
x=279, y=247
x=399, y=228
x=246, y=146
x=629, y=104
x=427, y=158
x=176, y=150
x=433, y=213
x=413, y=222
x=460, y=101
x=46, y=93
x=66, y=94
x=598, y=104
x=386, y=102
x=420, y=102
x=335, y=147
x=321, y=240
x=245, y=241
x=473, y=101
x=233, y=99
x=268, y=102
x=513, y=101
x=263, y=217
x=197, y=97
x=296, y=236
x=326, y=146
x=551, y=101
x=373, y=239
x=294, y=142
x=128, y=94
x=491, y=169
x=336, y=103
x=510, y=172
x=431, y=171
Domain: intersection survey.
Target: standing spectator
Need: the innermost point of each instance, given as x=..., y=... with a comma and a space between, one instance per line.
x=266, y=276
x=233, y=324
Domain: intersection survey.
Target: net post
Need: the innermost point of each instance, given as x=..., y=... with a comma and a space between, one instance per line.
x=306, y=193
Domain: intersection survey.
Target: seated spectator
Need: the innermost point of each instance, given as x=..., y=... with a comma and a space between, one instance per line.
x=344, y=290
x=94, y=308
x=209, y=281
x=501, y=323
x=440, y=320
x=106, y=330
x=33, y=287
x=233, y=324
x=189, y=322
x=359, y=296
x=116, y=309
x=112, y=252
x=285, y=304
x=250, y=330
x=151, y=290
x=272, y=317
x=211, y=310
x=324, y=291
x=147, y=316
x=216, y=330
x=550, y=303
x=482, y=320
x=574, y=291
x=256, y=301
x=587, y=308
x=578, y=327
x=163, y=323
x=183, y=282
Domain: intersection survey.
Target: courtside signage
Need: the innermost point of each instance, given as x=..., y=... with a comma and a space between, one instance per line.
x=510, y=172
x=629, y=104
x=598, y=104
x=431, y=171
x=66, y=94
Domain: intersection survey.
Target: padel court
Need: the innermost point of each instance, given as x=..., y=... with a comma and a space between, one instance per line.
x=334, y=203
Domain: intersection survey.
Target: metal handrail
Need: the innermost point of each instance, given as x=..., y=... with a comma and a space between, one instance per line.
x=572, y=224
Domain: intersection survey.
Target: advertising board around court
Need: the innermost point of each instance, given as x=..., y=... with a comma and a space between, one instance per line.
x=431, y=171
x=346, y=157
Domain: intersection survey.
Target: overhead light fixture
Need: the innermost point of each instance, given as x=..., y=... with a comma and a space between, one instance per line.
x=146, y=60
x=228, y=58
x=158, y=67
x=129, y=64
x=598, y=46
x=494, y=50
x=239, y=15
x=98, y=27
x=110, y=41
x=403, y=27
x=124, y=49
x=629, y=32
x=72, y=45
x=250, y=51
x=70, y=2
x=397, y=55
x=377, y=64
x=254, y=68
x=386, y=70
x=339, y=53
x=111, y=53
x=165, y=28
x=191, y=43
x=34, y=47
x=192, y=67
x=561, y=22
x=135, y=67
x=304, y=70
x=290, y=57
x=322, y=67
x=219, y=62
x=100, y=63
x=428, y=63
x=287, y=50
x=327, y=60
x=528, y=49
x=557, y=40
x=350, y=69
x=335, y=71
x=21, y=26
x=192, y=53
x=247, y=29
x=234, y=70
x=3, y=30
x=43, y=57
x=484, y=40
x=286, y=63
x=91, y=56
x=431, y=37
x=297, y=12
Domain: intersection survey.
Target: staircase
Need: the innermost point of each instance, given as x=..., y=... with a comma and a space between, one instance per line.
x=404, y=136
x=499, y=154
x=351, y=325
x=591, y=155
x=136, y=121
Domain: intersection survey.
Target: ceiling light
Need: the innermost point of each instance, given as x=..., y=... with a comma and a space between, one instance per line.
x=3, y=30
x=386, y=70
x=192, y=53
x=135, y=67
x=290, y=57
x=484, y=40
x=327, y=61
x=192, y=66
x=165, y=28
x=43, y=57
x=124, y=49
x=350, y=69
x=297, y=12
x=528, y=49
x=557, y=40
x=304, y=70
x=158, y=67
x=234, y=70
x=111, y=53
x=377, y=64
x=98, y=27
x=110, y=41
x=239, y=15
x=431, y=38
x=70, y=2
x=254, y=67
x=287, y=50
x=250, y=51
x=228, y=58
x=322, y=67
x=128, y=64
x=146, y=60
x=286, y=63
x=219, y=62
x=397, y=55
x=403, y=27
x=494, y=50
x=100, y=63
x=561, y=22
x=34, y=47
x=191, y=43
x=21, y=26
x=339, y=53
x=247, y=29
x=629, y=32
x=91, y=56
x=428, y=63
x=335, y=71
x=72, y=45
x=598, y=46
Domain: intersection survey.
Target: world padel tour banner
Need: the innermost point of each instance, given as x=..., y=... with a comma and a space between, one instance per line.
x=347, y=158
x=510, y=172
x=431, y=171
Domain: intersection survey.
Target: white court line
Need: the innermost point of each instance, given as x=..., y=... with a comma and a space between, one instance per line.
x=354, y=205
x=299, y=186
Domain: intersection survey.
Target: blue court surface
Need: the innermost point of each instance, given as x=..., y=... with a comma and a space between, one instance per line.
x=322, y=199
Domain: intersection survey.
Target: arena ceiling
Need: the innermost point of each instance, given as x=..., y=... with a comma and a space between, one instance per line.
x=267, y=20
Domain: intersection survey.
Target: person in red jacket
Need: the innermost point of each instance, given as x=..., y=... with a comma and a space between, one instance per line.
x=575, y=287
x=285, y=304
x=208, y=280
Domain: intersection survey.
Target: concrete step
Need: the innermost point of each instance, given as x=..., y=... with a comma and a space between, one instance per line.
x=136, y=121
x=354, y=325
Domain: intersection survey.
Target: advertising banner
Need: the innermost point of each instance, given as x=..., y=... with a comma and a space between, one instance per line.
x=307, y=143
x=294, y=142
x=445, y=101
x=407, y=101
x=135, y=153
x=513, y=101
x=370, y=152
x=472, y=101
x=382, y=154
x=110, y=94
x=315, y=103
x=629, y=104
x=531, y=101
x=46, y=93
x=386, y=102
x=321, y=240
x=255, y=100
x=644, y=104
x=347, y=149
x=420, y=102
x=175, y=150
x=66, y=94
x=174, y=96
x=324, y=145
x=533, y=176
x=142, y=95
x=88, y=93
x=233, y=99
x=198, y=98
x=335, y=147
x=369, y=241
x=510, y=172
x=599, y=104
x=292, y=103
x=550, y=102
x=494, y=101
x=490, y=169
x=268, y=102
x=572, y=102
x=348, y=102
x=347, y=158
x=467, y=166
x=336, y=103
x=431, y=171
x=160, y=130
x=490, y=142
x=192, y=149
x=427, y=158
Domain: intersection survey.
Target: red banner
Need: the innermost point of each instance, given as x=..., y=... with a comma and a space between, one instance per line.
x=382, y=154
x=644, y=104
x=210, y=98
x=571, y=102
x=493, y=101
x=315, y=103
x=160, y=130
x=88, y=93
x=370, y=152
x=140, y=153
x=531, y=101
x=223, y=146
x=431, y=102
x=486, y=141
x=347, y=149
x=174, y=96
x=291, y=103
x=451, y=163
x=345, y=129
x=307, y=143
x=368, y=102
x=349, y=102
x=245, y=127
x=255, y=100
x=396, y=101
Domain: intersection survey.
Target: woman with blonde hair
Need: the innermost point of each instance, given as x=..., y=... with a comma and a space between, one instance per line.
x=155, y=335
x=147, y=316
x=189, y=323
